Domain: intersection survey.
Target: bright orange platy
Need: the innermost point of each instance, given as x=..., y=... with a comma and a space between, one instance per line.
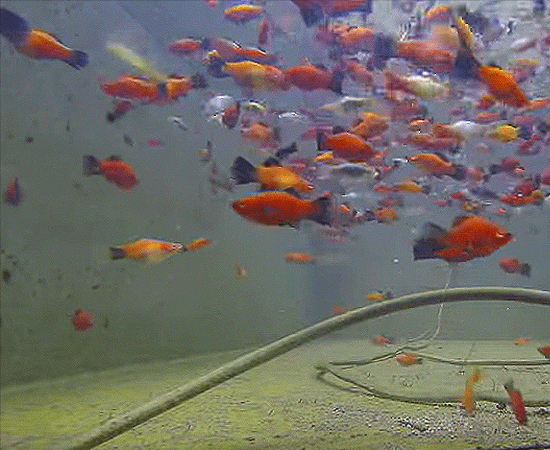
x=299, y=258
x=196, y=244
x=113, y=169
x=468, y=400
x=147, y=250
x=408, y=359
x=243, y=13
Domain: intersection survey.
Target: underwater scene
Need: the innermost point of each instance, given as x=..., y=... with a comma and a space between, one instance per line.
x=277, y=224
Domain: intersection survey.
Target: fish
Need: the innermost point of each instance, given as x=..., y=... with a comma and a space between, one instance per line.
x=230, y=116
x=514, y=266
x=436, y=164
x=516, y=402
x=347, y=106
x=14, y=192
x=196, y=244
x=146, y=250
x=309, y=77
x=186, y=46
x=420, y=86
x=271, y=177
x=243, y=13
x=263, y=32
x=137, y=62
x=545, y=351
x=380, y=339
x=218, y=180
x=283, y=208
x=299, y=258
x=468, y=401
x=504, y=133
x=112, y=168
x=135, y=88
x=38, y=44
x=378, y=296
x=121, y=108
x=345, y=145
x=357, y=72
x=81, y=320
x=371, y=125
x=262, y=133
x=523, y=340
x=408, y=359
x=176, y=86
x=467, y=239
x=241, y=271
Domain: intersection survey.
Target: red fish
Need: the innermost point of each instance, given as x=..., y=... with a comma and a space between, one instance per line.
x=516, y=402
x=468, y=238
x=37, y=44
x=135, y=87
x=122, y=106
x=380, y=339
x=283, y=208
x=112, y=168
x=514, y=266
x=14, y=193
x=82, y=321
x=230, y=116
x=346, y=145
x=309, y=77
x=545, y=351
x=436, y=164
x=154, y=141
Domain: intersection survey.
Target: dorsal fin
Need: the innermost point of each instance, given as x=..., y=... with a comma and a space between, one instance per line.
x=272, y=162
x=114, y=158
x=338, y=129
x=458, y=220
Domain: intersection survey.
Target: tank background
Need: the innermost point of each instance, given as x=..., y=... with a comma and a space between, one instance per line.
x=55, y=242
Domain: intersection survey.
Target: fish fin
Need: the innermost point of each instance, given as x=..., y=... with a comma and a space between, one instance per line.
x=525, y=269
x=311, y=13
x=242, y=171
x=114, y=158
x=319, y=138
x=460, y=172
x=324, y=214
x=111, y=117
x=272, y=162
x=459, y=219
x=338, y=129
x=429, y=242
x=215, y=67
x=367, y=215
x=13, y=27
x=78, y=59
x=282, y=153
x=277, y=133
x=205, y=44
x=335, y=84
x=90, y=165
x=199, y=81
x=117, y=252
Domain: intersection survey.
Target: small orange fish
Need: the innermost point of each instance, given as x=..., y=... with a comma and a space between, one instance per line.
x=346, y=145
x=230, y=116
x=270, y=177
x=175, y=87
x=243, y=13
x=378, y=296
x=148, y=250
x=408, y=359
x=262, y=133
x=514, y=266
x=427, y=53
x=357, y=72
x=299, y=258
x=523, y=340
x=82, y=321
x=248, y=74
x=196, y=244
x=545, y=351
x=134, y=87
x=283, y=208
x=380, y=339
x=122, y=106
x=14, y=193
x=468, y=401
x=371, y=126
x=386, y=215
x=186, y=46
x=468, y=238
x=357, y=38
x=516, y=402
x=436, y=164
x=112, y=168
x=309, y=77
x=37, y=44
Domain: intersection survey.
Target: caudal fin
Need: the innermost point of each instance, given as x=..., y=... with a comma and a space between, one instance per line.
x=90, y=165
x=311, y=13
x=429, y=242
x=242, y=171
x=13, y=27
x=525, y=269
x=116, y=252
x=335, y=84
x=199, y=81
x=78, y=60
x=325, y=210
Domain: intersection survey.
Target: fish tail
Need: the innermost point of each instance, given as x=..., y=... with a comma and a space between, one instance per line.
x=311, y=13
x=78, y=59
x=117, y=252
x=319, y=138
x=325, y=213
x=242, y=171
x=335, y=84
x=13, y=27
x=199, y=81
x=215, y=67
x=525, y=269
x=429, y=242
x=459, y=173
x=466, y=65
x=90, y=165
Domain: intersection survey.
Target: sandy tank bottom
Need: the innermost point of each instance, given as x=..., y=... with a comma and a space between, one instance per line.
x=283, y=405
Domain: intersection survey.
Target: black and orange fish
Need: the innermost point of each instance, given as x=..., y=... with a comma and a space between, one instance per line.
x=309, y=77
x=37, y=44
x=112, y=168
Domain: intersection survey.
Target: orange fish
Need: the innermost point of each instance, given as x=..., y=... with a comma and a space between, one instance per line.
x=283, y=208
x=545, y=351
x=175, y=87
x=230, y=116
x=514, y=266
x=135, y=87
x=380, y=339
x=345, y=145
x=372, y=125
x=408, y=359
x=468, y=398
x=523, y=340
x=262, y=133
x=357, y=72
x=516, y=402
x=82, y=321
x=357, y=38
x=248, y=74
x=299, y=258
x=270, y=177
x=468, y=238
x=427, y=53
x=243, y=13
x=186, y=46
x=309, y=77
x=436, y=164
x=196, y=244
x=378, y=296
x=385, y=215
x=148, y=250
x=112, y=168
x=37, y=44
x=14, y=193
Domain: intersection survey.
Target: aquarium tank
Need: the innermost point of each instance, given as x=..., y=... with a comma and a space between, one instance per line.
x=275, y=224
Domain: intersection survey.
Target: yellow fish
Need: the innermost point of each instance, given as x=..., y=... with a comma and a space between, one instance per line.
x=504, y=133
x=138, y=62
